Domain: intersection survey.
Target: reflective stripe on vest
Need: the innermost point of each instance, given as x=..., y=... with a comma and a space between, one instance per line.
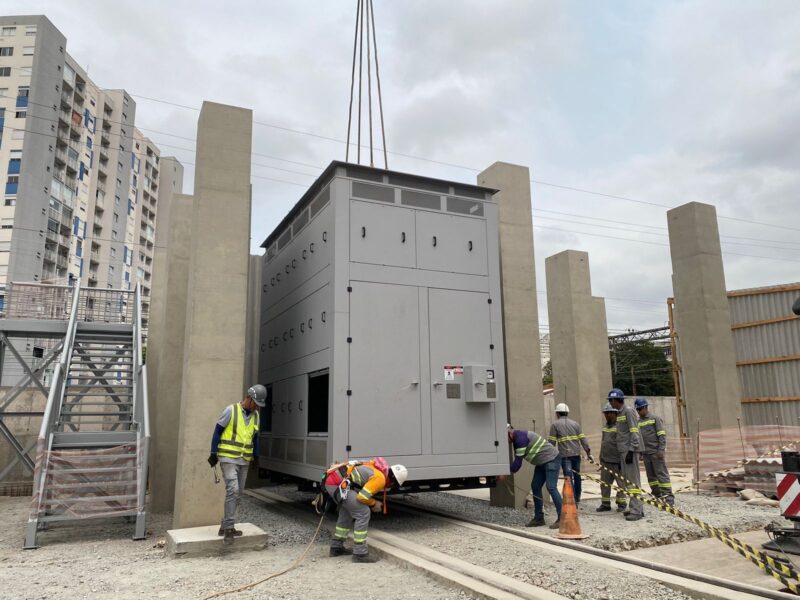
x=534, y=449
x=236, y=440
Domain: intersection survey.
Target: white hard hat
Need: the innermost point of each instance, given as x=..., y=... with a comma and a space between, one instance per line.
x=562, y=408
x=400, y=474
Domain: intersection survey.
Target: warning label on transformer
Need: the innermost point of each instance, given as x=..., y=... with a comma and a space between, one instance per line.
x=450, y=372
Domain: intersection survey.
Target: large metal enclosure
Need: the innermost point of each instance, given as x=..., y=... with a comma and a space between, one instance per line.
x=381, y=328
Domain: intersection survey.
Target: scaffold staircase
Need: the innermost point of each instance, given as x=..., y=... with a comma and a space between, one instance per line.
x=92, y=453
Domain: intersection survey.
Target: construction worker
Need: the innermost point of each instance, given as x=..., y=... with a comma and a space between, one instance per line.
x=233, y=445
x=629, y=445
x=354, y=487
x=566, y=435
x=654, y=436
x=532, y=447
x=610, y=463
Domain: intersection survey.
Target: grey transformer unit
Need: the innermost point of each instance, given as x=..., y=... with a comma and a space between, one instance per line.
x=381, y=329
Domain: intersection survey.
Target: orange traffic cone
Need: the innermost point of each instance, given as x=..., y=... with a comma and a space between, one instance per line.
x=569, y=527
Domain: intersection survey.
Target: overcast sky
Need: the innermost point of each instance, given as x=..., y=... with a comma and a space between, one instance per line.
x=660, y=102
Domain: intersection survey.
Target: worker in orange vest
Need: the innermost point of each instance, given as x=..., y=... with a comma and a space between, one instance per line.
x=353, y=487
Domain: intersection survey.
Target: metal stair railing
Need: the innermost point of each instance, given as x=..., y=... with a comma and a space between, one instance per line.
x=141, y=417
x=51, y=414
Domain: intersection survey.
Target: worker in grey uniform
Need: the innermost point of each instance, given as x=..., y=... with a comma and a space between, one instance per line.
x=654, y=436
x=629, y=445
x=566, y=435
x=611, y=463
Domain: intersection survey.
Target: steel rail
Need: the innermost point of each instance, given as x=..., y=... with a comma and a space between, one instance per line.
x=493, y=529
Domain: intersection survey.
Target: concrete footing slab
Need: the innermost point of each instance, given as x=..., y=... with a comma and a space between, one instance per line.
x=204, y=541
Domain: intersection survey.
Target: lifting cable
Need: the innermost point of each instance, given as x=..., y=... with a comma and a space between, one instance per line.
x=365, y=17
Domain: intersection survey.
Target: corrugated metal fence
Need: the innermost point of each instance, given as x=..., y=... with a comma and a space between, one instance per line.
x=767, y=341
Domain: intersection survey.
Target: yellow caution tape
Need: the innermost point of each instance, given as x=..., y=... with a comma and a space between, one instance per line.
x=782, y=572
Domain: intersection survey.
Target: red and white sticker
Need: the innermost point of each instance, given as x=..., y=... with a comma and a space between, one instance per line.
x=788, y=494
x=450, y=372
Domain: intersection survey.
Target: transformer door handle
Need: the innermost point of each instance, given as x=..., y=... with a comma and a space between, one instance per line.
x=413, y=383
x=403, y=238
x=363, y=232
x=437, y=383
x=434, y=241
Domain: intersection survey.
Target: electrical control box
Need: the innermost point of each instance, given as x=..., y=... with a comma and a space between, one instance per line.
x=381, y=328
x=480, y=383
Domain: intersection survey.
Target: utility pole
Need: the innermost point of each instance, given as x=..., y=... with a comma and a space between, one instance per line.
x=633, y=381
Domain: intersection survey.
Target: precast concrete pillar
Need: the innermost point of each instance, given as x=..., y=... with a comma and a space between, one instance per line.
x=520, y=314
x=216, y=311
x=578, y=339
x=165, y=403
x=702, y=318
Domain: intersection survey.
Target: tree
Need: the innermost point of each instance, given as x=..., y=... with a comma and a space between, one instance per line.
x=641, y=369
x=547, y=373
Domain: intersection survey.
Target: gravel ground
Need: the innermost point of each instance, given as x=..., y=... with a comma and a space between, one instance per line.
x=569, y=577
x=610, y=531
x=99, y=560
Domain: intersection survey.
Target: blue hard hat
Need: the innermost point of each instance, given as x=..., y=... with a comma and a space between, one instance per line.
x=640, y=403
x=616, y=394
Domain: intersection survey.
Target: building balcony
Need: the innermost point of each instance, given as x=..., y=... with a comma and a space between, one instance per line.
x=103, y=153
x=92, y=277
x=61, y=240
x=94, y=256
x=100, y=203
x=105, y=140
x=62, y=135
x=50, y=256
x=61, y=261
x=66, y=100
x=101, y=188
x=61, y=157
x=107, y=124
x=72, y=165
x=70, y=182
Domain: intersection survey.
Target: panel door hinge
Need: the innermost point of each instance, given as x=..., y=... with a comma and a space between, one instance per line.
x=349, y=447
x=349, y=288
x=489, y=300
x=349, y=392
x=349, y=340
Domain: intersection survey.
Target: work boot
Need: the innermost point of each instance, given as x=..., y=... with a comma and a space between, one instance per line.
x=364, y=558
x=603, y=508
x=229, y=536
x=236, y=532
x=535, y=522
x=340, y=551
x=555, y=524
x=622, y=508
x=634, y=517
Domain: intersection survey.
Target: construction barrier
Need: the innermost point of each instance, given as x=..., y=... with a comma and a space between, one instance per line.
x=778, y=570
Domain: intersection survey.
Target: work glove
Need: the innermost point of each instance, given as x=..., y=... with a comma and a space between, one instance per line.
x=212, y=459
x=377, y=507
x=591, y=458
x=660, y=455
x=629, y=458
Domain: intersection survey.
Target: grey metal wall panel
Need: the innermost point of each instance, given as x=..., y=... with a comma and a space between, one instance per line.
x=459, y=335
x=385, y=410
x=450, y=243
x=382, y=234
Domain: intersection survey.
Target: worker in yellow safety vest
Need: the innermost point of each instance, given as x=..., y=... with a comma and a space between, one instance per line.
x=233, y=445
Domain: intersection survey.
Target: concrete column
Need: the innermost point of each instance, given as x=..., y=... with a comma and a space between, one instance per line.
x=520, y=313
x=214, y=351
x=253, y=344
x=578, y=339
x=702, y=318
x=167, y=339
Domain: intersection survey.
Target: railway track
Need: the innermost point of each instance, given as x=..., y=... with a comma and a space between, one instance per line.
x=485, y=583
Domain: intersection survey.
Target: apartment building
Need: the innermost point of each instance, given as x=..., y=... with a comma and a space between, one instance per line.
x=82, y=186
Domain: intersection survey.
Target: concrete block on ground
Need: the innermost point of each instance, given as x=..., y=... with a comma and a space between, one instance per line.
x=520, y=314
x=702, y=318
x=204, y=541
x=578, y=339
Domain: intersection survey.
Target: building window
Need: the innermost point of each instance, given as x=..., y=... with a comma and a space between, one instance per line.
x=116, y=218
x=11, y=201
x=3, y=92
x=5, y=71
x=114, y=234
x=21, y=114
x=27, y=51
x=13, y=166
x=113, y=252
x=7, y=224
x=7, y=51
x=30, y=30
x=12, y=183
x=116, y=200
x=8, y=31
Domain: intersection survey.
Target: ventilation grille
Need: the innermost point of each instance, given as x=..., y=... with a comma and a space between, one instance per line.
x=373, y=192
x=465, y=207
x=421, y=200
x=320, y=201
